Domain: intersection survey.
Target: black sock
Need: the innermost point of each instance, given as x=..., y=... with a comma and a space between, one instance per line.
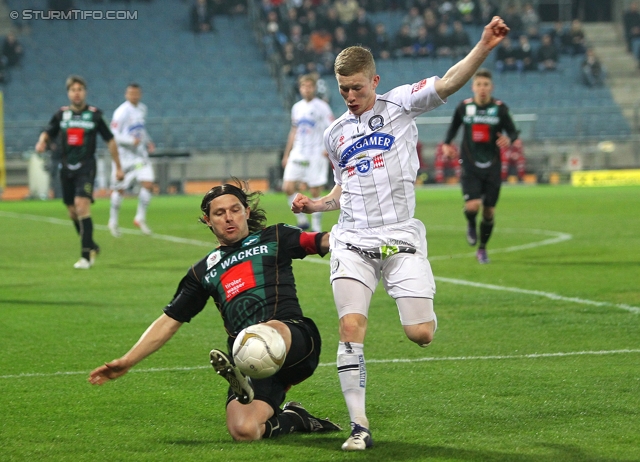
x=471, y=217
x=486, y=227
x=282, y=424
x=76, y=223
x=86, y=236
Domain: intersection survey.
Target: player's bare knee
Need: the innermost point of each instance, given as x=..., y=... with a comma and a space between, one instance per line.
x=353, y=328
x=422, y=334
x=244, y=431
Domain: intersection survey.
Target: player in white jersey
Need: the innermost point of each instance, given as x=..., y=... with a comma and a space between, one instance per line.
x=305, y=160
x=373, y=151
x=134, y=147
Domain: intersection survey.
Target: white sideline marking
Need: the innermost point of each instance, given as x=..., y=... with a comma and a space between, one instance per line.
x=375, y=361
x=581, y=301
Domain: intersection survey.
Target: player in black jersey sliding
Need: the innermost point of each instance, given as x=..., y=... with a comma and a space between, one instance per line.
x=250, y=278
x=79, y=125
x=486, y=120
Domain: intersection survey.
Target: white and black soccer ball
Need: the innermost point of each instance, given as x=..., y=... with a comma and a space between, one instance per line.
x=259, y=351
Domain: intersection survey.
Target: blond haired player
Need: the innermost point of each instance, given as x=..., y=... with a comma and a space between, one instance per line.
x=305, y=161
x=373, y=151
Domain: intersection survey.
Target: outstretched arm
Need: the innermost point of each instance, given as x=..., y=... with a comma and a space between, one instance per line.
x=331, y=201
x=461, y=72
x=154, y=337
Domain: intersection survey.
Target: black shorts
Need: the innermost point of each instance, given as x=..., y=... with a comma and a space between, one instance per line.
x=78, y=183
x=300, y=364
x=481, y=184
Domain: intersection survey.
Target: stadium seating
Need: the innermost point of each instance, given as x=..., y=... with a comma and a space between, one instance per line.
x=218, y=81
x=214, y=91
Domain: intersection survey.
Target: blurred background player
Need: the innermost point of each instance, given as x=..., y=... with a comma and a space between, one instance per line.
x=305, y=160
x=485, y=119
x=79, y=124
x=134, y=146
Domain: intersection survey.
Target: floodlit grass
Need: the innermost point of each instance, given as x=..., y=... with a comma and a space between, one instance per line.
x=536, y=358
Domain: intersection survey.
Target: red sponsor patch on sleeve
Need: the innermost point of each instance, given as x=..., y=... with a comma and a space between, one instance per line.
x=238, y=279
x=75, y=136
x=480, y=133
x=418, y=86
x=308, y=242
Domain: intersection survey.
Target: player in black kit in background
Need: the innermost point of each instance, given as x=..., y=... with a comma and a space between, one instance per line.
x=250, y=278
x=485, y=120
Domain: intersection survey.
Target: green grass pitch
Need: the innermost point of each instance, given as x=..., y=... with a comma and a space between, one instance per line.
x=536, y=358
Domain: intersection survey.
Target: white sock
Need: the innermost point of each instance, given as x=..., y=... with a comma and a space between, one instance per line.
x=114, y=210
x=144, y=197
x=316, y=220
x=300, y=217
x=352, y=372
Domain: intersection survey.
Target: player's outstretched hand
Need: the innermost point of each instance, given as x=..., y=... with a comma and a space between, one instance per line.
x=301, y=204
x=108, y=371
x=494, y=32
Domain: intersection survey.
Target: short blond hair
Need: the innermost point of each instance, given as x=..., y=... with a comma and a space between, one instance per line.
x=308, y=78
x=353, y=60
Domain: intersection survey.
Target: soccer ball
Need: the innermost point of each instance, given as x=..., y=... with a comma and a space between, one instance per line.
x=259, y=351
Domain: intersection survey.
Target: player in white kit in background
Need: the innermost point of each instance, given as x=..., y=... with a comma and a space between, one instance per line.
x=305, y=161
x=134, y=147
x=373, y=151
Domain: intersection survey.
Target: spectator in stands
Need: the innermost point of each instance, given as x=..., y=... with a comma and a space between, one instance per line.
x=381, y=43
x=340, y=40
x=574, y=40
x=507, y=57
x=361, y=26
x=530, y=19
x=414, y=20
x=289, y=22
x=324, y=61
x=460, y=40
x=513, y=157
x=557, y=35
x=293, y=62
x=592, y=70
x=201, y=17
x=547, y=54
x=631, y=21
x=450, y=162
x=423, y=45
x=485, y=11
x=466, y=11
x=403, y=43
x=443, y=43
x=525, y=54
x=329, y=21
x=362, y=36
x=430, y=19
x=347, y=11
x=12, y=51
x=513, y=18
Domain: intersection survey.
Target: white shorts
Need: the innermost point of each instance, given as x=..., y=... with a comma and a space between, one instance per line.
x=313, y=172
x=136, y=169
x=397, y=254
